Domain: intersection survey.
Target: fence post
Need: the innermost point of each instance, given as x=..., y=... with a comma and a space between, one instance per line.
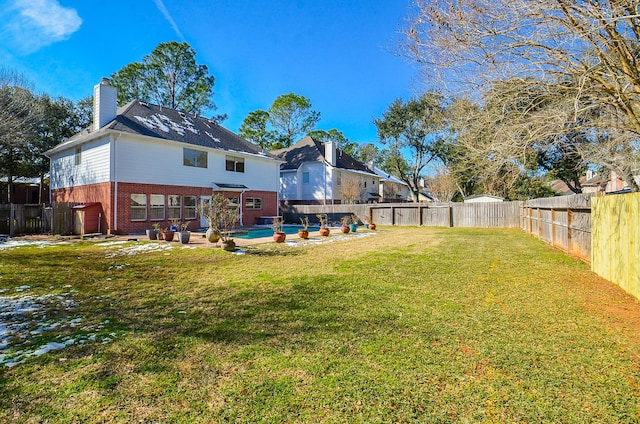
x=12, y=217
x=553, y=227
x=569, y=232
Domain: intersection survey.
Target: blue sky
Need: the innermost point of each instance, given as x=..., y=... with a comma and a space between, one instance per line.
x=336, y=53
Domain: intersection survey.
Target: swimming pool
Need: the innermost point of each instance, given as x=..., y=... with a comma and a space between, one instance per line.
x=268, y=232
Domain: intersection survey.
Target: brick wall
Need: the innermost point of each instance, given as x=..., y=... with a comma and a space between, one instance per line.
x=101, y=193
x=124, y=224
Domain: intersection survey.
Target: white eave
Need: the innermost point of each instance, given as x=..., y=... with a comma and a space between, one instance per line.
x=72, y=142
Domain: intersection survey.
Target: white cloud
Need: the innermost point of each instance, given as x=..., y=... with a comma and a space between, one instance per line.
x=29, y=25
x=165, y=12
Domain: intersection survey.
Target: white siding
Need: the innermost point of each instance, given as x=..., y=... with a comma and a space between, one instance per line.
x=315, y=188
x=288, y=187
x=93, y=168
x=143, y=160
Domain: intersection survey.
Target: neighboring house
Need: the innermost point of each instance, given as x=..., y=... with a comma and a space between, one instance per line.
x=25, y=191
x=482, y=198
x=319, y=173
x=148, y=164
x=603, y=183
x=391, y=189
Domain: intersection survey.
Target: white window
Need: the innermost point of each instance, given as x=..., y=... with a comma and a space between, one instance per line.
x=157, y=207
x=138, y=207
x=234, y=164
x=253, y=203
x=174, y=209
x=190, y=203
x=192, y=157
x=78, y=156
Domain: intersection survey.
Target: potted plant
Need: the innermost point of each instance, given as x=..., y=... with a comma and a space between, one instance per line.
x=279, y=236
x=184, y=234
x=152, y=233
x=324, y=228
x=167, y=234
x=303, y=232
x=226, y=217
x=353, y=225
x=211, y=211
x=369, y=224
x=346, y=221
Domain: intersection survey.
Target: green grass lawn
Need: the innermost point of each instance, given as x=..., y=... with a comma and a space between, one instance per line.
x=409, y=325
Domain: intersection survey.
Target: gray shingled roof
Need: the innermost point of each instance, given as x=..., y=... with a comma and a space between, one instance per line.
x=160, y=122
x=310, y=150
x=169, y=124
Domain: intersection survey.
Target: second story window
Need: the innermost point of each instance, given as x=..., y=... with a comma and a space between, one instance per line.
x=78, y=156
x=192, y=157
x=234, y=164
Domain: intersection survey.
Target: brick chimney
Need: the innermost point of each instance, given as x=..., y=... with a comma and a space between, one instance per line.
x=104, y=104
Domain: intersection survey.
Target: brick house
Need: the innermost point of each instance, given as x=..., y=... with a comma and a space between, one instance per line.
x=148, y=164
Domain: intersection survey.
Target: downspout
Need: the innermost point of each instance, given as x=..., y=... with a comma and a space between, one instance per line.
x=115, y=180
x=241, y=208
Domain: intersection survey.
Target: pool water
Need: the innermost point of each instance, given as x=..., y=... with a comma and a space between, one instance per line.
x=268, y=232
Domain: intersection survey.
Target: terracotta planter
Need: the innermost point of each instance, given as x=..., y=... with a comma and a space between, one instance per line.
x=152, y=234
x=345, y=229
x=279, y=237
x=372, y=226
x=168, y=235
x=324, y=231
x=303, y=234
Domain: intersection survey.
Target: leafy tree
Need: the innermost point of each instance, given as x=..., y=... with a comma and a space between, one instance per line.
x=528, y=187
x=254, y=129
x=412, y=130
x=334, y=135
x=170, y=77
x=84, y=110
x=291, y=116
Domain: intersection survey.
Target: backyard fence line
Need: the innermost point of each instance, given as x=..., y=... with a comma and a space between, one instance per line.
x=564, y=222
x=488, y=215
x=56, y=218
x=23, y=219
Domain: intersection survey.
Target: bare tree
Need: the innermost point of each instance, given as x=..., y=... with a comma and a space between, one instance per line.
x=442, y=185
x=19, y=114
x=582, y=56
x=351, y=189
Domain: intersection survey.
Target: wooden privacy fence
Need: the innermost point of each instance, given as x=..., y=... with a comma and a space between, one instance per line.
x=616, y=240
x=497, y=214
x=23, y=219
x=487, y=215
x=36, y=219
x=564, y=222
